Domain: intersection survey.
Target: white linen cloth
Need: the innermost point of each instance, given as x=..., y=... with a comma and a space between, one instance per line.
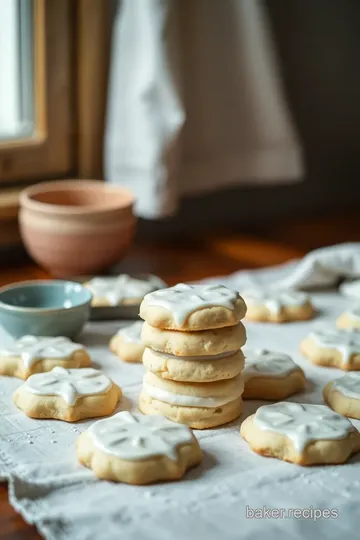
x=320, y=268
x=66, y=502
x=206, y=71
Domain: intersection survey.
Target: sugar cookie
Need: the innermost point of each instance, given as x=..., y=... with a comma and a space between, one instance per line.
x=349, y=319
x=122, y=289
x=301, y=433
x=343, y=395
x=192, y=307
x=31, y=354
x=271, y=375
x=138, y=449
x=200, y=406
x=201, y=343
x=267, y=304
x=127, y=343
x=194, y=368
x=68, y=394
x=333, y=348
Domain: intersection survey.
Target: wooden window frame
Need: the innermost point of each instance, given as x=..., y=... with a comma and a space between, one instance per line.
x=48, y=151
x=71, y=42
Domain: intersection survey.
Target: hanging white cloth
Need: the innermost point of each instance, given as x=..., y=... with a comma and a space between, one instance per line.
x=195, y=102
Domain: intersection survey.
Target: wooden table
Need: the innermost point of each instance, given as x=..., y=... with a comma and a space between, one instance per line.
x=186, y=260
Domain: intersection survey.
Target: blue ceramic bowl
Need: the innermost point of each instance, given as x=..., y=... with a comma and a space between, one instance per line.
x=44, y=308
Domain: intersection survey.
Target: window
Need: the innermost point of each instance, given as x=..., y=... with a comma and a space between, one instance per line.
x=53, y=81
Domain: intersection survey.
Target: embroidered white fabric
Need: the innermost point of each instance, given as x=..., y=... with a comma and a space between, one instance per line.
x=214, y=500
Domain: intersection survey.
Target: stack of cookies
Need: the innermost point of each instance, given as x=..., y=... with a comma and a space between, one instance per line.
x=193, y=336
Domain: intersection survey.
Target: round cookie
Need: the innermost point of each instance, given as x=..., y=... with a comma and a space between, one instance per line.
x=201, y=343
x=349, y=319
x=194, y=368
x=193, y=307
x=127, y=343
x=138, y=449
x=343, y=395
x=33, y=354
x=121, y=290
x=271, y=375
x=333, y=348
x=200, y=406
x=68, y=394
x=266, y=304
x=301, y=433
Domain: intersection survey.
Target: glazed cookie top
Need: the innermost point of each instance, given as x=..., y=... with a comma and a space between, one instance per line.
x=348, y=385
x=274, y=299
x=347, y=342
x=69, y=384
x=303, y=423
x=122, y=287
x=132, y=436
x=31, y=349
x=183, y=300
x=264, y=363
x=132, y=332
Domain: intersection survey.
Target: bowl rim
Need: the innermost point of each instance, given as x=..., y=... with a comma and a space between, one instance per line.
x=41, y=282
x=26, y=195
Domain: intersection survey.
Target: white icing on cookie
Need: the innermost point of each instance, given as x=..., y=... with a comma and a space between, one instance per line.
x=208, y=358
x=32, y=349
x=264, y=363
x=132, y=332
x=184, y=400
x=348, y=385
x=303, y=423
x=274, y=299
x=182, y=300
x=70, y=384
x=347, y=342
x=133, y=436
x=122, y=287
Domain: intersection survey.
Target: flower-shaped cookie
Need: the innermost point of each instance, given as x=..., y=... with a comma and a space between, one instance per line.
x=138, y=449
x=302, y=433
x=271, y=375
x=269, y=304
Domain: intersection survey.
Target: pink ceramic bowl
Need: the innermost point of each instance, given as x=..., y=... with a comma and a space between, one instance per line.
x=76, y=227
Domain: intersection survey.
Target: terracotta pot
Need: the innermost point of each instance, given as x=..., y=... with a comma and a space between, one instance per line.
x=76, y=227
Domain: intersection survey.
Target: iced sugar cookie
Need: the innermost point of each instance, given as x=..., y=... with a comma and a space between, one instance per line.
x=201, y=343
x=31, y=354
x=333, y=348
x=301, y=433
x=271, y=375
x=138, y=449
x=199, y=406
x=266, y=304
x=350, y=318
x=205, y=368
x=343, y=395
x=192, y=307
x=122, y=289
x=127, y=343
x=68, y=394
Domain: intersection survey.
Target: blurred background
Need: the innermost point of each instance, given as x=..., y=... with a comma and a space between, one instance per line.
x=231, y=120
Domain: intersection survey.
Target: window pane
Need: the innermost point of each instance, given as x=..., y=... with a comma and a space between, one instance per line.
x=16, y=95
